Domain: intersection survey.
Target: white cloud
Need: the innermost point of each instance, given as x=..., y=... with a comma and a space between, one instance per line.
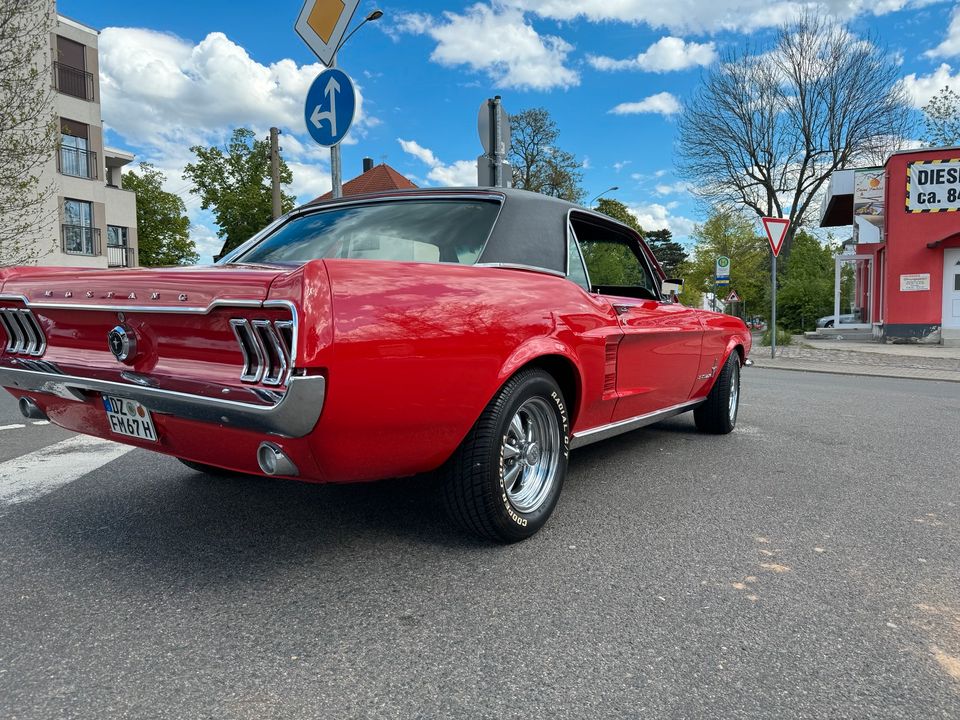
x=676, y=188
x=665, y=55
x=654, y=216
x=696, y=16
x=460, y=173
x=499, y=41
x=923, y=87
x=162, y=94
x=618, y=166
x=663, y=103
x=206, y=241
x=950, y=46
x=424, y=155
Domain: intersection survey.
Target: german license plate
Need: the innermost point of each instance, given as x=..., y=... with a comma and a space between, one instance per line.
x=130, y=418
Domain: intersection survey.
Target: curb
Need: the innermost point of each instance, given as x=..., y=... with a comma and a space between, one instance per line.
x=896, y=373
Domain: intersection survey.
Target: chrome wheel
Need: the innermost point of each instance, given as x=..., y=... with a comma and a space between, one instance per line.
x=734, y=392
x=530, y=455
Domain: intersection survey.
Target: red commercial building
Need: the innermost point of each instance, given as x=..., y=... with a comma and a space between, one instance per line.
x=899, y=276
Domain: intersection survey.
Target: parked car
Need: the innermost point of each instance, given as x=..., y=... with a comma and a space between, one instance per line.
x=848, y=318
x=481, y=333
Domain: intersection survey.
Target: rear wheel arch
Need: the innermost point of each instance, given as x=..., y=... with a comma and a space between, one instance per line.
x=565, y=373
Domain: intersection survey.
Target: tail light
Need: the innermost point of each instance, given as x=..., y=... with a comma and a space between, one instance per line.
x=267, y=347
x=24, y=334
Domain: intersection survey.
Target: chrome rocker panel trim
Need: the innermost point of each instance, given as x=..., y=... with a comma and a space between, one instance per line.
x=603, y=432
x=294, y=416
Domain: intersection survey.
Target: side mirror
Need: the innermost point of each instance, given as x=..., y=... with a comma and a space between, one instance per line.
x=671, y=287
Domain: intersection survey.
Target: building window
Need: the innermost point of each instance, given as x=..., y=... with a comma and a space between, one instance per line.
x=116, y=236
x=80, y=237
x=75, y=158
x=70, y=74
x=118, y=253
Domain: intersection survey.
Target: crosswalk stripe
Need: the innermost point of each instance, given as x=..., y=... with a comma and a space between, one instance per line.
x=35, y=474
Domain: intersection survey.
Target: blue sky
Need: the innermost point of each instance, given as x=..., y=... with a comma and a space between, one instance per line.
x=612, y=73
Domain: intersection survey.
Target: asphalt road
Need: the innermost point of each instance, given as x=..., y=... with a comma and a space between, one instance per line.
x=806, y=566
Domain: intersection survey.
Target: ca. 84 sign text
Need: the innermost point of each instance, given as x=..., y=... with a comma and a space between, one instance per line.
x=933, y=186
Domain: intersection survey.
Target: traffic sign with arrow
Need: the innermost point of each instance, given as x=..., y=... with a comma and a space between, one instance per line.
x=331, y=104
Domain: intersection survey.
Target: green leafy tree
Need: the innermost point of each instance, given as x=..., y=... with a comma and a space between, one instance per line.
x=669, y=253
x=28, y=132
x=234, y=182
x=538, y=164
x=805, y=284
x=941, y=119
x=618, y=211
x=731, y=234
x=163, y=236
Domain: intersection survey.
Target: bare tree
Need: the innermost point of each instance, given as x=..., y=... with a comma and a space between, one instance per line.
x=538, y=164
x=941, y=119
x=768, y=125
x=28, y=132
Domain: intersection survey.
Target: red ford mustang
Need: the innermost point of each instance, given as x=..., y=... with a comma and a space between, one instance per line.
x=483, y=333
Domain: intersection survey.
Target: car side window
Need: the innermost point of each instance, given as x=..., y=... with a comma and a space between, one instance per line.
x=615, y=265
x=576, y=272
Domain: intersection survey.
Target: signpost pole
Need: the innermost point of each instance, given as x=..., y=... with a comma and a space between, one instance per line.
x=275, y=171
x=773, y=308
x=497, y=139
x=336, y=175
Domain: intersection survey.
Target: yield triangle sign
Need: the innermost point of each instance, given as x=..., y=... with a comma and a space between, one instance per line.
x=776, y=229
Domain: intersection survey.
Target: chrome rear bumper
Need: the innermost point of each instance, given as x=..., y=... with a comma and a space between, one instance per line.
x=293, y=416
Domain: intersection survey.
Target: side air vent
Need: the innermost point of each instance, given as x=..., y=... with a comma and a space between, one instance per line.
x=267, y=348
x=610, y=366
x=24, y=334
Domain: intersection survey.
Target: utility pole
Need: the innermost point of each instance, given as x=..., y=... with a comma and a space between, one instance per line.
x=275, y=171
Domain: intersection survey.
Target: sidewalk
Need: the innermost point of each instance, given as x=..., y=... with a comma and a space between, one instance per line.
x=921, y=362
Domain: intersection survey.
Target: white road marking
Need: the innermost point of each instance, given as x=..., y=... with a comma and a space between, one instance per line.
x=35, y=474
x=40, y=422
x=12, y=427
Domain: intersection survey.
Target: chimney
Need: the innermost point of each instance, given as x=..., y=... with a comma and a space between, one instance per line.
x=367, y=164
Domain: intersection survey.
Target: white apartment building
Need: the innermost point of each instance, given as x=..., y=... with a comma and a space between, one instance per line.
x=97, y=220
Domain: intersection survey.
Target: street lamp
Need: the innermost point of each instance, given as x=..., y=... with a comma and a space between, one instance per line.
x=375, y=15
x=336, y=173
x=609, y=189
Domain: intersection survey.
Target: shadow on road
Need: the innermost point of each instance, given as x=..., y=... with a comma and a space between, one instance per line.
x=171, y=520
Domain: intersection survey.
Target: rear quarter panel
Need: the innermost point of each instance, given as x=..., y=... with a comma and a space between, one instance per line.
x=420, y=349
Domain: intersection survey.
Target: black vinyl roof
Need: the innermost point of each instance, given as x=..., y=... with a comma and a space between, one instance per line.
x=531, y=229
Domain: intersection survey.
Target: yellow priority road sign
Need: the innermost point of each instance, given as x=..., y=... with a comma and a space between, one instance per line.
x=323, y=23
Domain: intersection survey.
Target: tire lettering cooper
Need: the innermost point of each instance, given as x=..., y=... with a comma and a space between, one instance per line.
x=562, y=409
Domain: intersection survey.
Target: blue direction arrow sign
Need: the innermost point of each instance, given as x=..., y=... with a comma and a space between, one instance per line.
x=331, y=104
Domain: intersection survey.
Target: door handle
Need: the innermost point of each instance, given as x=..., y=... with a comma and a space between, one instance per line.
x=623, y=309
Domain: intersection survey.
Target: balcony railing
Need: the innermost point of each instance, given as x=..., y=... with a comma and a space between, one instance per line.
x=73, y=81
x=81, y=240
x=120, y=256
x=77, y=163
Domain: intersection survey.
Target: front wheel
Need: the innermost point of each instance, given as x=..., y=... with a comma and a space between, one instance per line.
x=718, y=413
x=504, y=480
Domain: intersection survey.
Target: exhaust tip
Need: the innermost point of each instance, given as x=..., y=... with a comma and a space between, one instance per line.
x=30, y=409
x=274, y=461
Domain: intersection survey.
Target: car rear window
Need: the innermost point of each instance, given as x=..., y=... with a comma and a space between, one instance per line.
x=441, y=231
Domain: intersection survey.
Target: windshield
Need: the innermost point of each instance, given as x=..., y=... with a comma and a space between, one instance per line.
x=441, y=231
